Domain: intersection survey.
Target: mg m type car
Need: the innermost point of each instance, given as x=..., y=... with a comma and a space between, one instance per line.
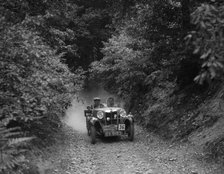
x=108, y=120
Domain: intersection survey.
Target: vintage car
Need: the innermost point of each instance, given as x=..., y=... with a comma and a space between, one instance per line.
x=108, y=121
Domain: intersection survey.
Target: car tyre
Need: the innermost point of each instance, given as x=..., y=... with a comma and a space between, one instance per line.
x=88, y=127
x=131, y=132
x=88, y=132
x=93, y=134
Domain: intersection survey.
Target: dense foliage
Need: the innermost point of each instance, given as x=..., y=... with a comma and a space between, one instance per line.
x=36, y=86
x=144, y=49
x=208, y=40
x=157, y=57
x=150, y=53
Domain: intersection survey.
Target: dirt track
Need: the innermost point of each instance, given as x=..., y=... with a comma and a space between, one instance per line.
x=148, y=154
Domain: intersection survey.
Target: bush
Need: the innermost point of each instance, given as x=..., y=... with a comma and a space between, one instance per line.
x=36, y=88
x=208, y=41
x=12, y=149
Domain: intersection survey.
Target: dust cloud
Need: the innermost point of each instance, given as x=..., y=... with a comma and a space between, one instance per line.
x=75, y=114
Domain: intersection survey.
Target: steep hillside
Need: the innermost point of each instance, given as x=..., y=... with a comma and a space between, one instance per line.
x=187, y=116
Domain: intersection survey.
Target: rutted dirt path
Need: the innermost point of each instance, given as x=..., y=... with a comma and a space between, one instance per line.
x=148, y=154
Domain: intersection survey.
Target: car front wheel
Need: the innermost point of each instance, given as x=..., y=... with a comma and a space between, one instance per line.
x=93, y=134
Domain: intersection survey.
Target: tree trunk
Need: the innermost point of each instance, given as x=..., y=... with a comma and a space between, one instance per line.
x=186, y=16
x=126, y=5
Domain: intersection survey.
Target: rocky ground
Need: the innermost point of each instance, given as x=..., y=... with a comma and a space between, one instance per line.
x=148, y=154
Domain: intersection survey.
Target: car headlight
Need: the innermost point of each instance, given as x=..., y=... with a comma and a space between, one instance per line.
x=123, y=113
x=100, y=114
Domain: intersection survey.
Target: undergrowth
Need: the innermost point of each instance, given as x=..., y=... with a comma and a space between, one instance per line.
x=13, y=146
x=180, y=113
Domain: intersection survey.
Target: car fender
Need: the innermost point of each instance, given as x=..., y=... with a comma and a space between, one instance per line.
x=130, y=119
x=93, y=120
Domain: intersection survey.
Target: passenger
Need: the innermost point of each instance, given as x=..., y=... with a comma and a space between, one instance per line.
x=110, y=102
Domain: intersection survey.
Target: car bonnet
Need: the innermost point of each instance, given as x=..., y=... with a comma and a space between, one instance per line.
x=109, y=109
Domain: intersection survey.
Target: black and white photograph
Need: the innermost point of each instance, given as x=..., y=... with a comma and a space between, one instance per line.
x=111, y=86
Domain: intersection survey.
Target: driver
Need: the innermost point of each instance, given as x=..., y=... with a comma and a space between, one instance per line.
x=97, y=103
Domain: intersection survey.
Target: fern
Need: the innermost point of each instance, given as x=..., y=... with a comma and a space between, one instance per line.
x=11, y=148
x=16, y=141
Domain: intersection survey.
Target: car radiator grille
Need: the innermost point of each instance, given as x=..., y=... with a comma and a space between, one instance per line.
x=113, y=118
